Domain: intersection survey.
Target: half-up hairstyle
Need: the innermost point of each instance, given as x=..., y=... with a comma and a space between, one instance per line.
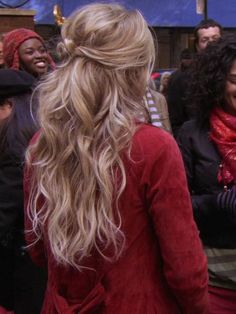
x=88, y=107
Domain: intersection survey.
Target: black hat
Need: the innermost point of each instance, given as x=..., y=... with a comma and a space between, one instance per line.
x=14, y=82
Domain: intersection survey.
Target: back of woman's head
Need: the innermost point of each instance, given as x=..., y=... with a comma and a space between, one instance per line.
x=107, y=53
x=110, y=35
x=106, y=45
x=209, y=75
x=87, y=113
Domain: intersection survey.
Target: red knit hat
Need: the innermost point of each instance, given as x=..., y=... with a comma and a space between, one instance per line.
x=11, y=43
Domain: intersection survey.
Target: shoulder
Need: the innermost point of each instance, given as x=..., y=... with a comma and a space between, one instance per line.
x=148, y=131
x=193, y=128
x=151, y=140
x=157, y=95
x=189, y=126
x=187, y=133
x=195, y=138
x=154, y=153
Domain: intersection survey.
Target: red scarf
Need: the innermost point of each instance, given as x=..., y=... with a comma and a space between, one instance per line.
x=223, y=134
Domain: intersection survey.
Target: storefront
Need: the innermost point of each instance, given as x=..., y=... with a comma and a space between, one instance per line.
x=172, y=20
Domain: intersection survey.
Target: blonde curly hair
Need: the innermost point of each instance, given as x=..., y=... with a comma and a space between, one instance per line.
x=87, y=113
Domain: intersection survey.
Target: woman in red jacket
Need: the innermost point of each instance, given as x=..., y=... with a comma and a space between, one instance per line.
x=107, y=206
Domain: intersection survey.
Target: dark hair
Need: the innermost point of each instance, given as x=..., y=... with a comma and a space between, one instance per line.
x=186, y=54
x=17, y=130
x=209, y=75
x=205, y=24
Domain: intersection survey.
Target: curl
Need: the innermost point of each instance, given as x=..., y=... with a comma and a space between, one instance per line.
x=88, y=107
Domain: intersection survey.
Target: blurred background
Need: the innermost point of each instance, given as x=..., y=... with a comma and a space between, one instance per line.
x=172, y=21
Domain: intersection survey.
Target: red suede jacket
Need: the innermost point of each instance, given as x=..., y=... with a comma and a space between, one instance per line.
x=163, y=268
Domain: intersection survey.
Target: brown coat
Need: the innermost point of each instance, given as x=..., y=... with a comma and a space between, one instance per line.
x=159, y=117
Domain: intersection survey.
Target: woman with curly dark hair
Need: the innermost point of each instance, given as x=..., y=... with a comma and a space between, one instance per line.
x=107, y=208
x=208, y=146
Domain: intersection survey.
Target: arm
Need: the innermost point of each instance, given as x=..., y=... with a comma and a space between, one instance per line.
x=175, y=100
x=165, y=114
x=161, y=105
x=184, y=262
x=226, y=203
x=203, y=205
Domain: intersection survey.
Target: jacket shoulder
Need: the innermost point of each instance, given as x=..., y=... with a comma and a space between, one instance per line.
x=149, y=135
x=150, y=143
x=192, y=129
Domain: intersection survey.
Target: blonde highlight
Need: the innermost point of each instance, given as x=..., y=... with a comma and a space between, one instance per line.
x=88, y=107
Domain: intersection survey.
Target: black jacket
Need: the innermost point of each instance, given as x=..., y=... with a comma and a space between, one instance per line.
x=179, y=111
x=202, y=162
x=11, y=196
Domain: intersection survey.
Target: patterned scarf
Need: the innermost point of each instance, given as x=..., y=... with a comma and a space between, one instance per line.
x=223, y=134
x=153, y=113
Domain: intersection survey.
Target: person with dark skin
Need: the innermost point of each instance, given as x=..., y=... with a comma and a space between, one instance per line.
x=25, y=50
x=208, y=145
x=33, y=56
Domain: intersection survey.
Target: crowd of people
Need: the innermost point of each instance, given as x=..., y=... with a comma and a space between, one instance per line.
x=116, y=197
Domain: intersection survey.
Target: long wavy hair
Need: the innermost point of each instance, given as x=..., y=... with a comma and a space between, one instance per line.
x=87, y=113
x=209, y=75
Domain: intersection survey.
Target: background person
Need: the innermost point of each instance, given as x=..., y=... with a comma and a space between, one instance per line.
x=164, y=81
x=113, y=224
x=205, y=32
x=208, y=145
x=25, y=50
x=21, y=283
x=177, y=90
